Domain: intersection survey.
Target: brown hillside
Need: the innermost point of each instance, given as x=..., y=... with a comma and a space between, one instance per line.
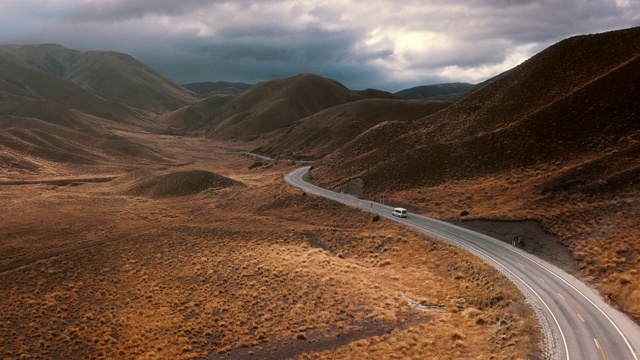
x=317, y=135
x=209, y=88
x=558, y=105
x=278, y=103
x=20, y=83
x=115, y=77
x=30, y=145
x=194, y=117
x=44, y=135
x=556, y=139
x=49, y=124
x=378, y=94
x=120, y=78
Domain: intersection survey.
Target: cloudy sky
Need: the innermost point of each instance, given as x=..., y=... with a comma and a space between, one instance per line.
x=382, y=44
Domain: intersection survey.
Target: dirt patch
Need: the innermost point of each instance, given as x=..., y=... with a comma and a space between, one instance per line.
x=532, y=238
x=308, y=342
x=181, y=183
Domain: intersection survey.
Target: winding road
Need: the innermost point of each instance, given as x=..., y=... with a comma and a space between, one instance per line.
x=577, y=323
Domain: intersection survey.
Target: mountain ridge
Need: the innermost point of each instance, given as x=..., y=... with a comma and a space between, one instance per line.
x=113, y=76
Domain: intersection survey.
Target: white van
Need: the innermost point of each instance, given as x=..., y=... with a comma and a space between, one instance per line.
x=399, y=212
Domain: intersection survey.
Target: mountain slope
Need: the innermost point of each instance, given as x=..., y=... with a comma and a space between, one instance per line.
x=556, y=140
x=65, y=139
x=435, y=91
x=113, y=76
x=193, y=118
x=49, y=124
x=20, y=83
x=209, y=88
x=279, y=103
x=559, y=103
x=317, y=135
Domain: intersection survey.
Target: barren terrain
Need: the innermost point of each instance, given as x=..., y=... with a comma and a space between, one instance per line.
x=240, y=265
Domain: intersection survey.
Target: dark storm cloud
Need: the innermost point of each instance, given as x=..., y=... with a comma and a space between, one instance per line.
x=275, y=52
x=361, y=43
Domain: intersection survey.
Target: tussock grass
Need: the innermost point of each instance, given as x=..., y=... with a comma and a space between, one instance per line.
x=260, y=271
x=598, y=224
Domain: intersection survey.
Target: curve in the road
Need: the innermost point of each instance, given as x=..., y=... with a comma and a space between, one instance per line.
x=576, y=321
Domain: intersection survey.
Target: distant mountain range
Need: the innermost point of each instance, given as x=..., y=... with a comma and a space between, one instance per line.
x=112, y=76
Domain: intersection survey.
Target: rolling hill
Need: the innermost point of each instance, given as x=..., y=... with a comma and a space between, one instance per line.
x=49, y=122
x=112, y=76
x=279, y=103
x=263, y=107
x=320, y=134
x=195, y=117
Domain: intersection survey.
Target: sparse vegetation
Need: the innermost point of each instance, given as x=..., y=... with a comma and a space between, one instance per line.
x=230, y=272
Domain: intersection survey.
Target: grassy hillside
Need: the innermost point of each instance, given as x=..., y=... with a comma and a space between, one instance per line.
x=279, y=103
x=320, y=134
x=112, y=76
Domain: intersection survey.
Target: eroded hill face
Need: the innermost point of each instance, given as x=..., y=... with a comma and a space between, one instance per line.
x=555, y=139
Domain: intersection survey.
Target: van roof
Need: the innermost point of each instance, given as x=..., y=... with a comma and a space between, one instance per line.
x=399, y=209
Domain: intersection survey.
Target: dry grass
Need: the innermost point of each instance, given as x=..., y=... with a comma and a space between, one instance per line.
x=600, y=230
x=261, y=270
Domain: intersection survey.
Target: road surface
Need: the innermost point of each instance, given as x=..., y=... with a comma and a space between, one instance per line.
x=577, y=323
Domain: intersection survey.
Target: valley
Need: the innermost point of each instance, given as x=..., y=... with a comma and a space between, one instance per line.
x=90, y=270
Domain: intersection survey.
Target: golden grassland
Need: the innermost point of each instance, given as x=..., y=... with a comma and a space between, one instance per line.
x=261, y=271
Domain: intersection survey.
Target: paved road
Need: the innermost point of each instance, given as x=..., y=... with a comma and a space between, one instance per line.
x=578, y=324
